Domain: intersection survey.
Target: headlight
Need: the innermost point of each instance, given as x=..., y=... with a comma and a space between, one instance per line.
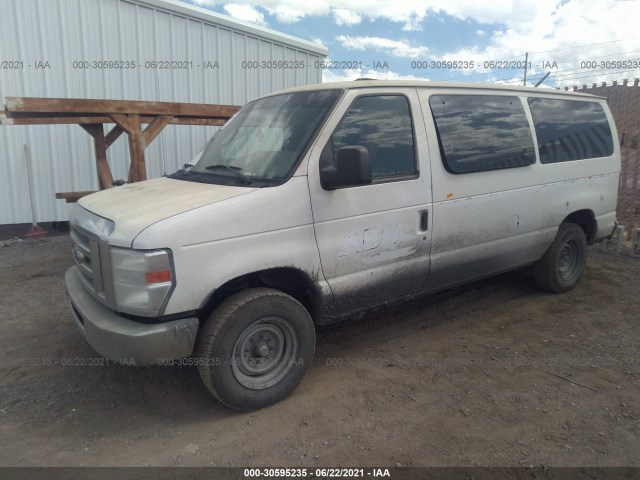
x=142, y=280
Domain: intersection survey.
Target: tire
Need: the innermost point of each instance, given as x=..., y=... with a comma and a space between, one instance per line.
x=561, y=267
x=255, y=348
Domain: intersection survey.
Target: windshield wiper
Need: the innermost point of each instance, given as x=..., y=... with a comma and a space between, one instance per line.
x=183, y=171
x=234, y=170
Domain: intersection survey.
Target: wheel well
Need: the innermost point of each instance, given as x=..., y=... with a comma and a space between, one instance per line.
x=287, y=280
x=587, y=221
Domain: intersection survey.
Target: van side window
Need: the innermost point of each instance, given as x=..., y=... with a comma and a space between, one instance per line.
x=482, y=132
x=570, y=130
x=383, y=125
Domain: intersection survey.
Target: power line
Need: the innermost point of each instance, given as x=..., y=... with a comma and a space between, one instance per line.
x=571, y=48
x=564, y=75
x=573, y=73
x=594, y=73
x=494, y=71
x=588, y=45
x=597, y=75
x=555, y=79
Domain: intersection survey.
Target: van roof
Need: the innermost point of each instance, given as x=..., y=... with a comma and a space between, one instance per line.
x=366, y=83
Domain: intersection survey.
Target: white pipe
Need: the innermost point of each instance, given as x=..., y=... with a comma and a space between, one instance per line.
x=26, y=159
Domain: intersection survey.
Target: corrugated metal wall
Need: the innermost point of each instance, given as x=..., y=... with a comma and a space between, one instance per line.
x=50, y=37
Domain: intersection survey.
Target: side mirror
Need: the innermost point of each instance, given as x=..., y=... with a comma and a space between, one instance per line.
x=352, y=168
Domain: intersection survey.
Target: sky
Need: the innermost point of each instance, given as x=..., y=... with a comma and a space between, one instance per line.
x=576, y=41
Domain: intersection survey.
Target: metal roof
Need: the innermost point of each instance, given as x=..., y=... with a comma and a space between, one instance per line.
x=219, y=19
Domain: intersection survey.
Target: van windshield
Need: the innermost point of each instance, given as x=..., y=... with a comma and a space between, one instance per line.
x=263, y=142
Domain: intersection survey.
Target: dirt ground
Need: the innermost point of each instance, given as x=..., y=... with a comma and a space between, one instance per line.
x=494, y=374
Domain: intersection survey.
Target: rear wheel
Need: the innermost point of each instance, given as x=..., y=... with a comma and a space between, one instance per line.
x=559, y=270
x=255, y=348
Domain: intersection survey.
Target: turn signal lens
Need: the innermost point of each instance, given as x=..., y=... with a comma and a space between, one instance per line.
x=158, y=277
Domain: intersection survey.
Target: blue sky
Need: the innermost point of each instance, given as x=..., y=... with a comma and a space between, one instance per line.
x=576, y=41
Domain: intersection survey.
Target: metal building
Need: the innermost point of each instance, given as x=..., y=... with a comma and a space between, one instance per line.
x=157, y=50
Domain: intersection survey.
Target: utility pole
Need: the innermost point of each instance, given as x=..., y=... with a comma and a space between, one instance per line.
x=526, y=62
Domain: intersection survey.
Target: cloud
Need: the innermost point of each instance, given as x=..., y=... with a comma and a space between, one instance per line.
x=397, y=48
x=286, y=14
x=565, y=33
x=548, y=29
x=330, y=75
x=319, y=42
x=349, y=75
x=292, y=11
x=409, y=13
x=245, y=13
x=342, y=16
x=413, y=24
x=285, y=11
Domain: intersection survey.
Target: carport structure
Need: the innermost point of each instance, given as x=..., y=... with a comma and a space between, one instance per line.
x=129, y=116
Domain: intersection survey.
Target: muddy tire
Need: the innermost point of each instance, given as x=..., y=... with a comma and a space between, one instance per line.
x=255, y=348
x=561, y=267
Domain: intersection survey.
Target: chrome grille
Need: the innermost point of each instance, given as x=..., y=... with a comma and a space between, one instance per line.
x=86, y=255
x=90, y=248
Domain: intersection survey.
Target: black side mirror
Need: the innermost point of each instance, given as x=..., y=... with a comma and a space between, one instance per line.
x=352, y=168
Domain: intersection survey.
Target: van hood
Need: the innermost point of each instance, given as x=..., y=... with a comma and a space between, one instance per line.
x=136, y=206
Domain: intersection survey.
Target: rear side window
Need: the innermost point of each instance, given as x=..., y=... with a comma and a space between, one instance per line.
x=570, y=130
x=482, y=132
x=383, y=125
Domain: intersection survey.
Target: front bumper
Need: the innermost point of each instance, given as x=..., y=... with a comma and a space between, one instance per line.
x=123, y=340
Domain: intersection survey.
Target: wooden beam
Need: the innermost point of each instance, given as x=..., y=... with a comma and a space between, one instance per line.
x=99, y=106
x=10, y=114
x=72, y=197
x=89, y=128
x=124, y=122
x=72, y=120
x=154, y=128
x=102, y=165
x=198, y=121
x=4, y=120
x=113, y=135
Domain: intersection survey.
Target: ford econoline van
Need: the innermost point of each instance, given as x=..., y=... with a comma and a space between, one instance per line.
x=319, y=203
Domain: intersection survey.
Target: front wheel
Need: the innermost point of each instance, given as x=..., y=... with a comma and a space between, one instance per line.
x=559, y=270
x=255, y=348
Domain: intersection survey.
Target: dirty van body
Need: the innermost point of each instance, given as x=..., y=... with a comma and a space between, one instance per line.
x=319, y=203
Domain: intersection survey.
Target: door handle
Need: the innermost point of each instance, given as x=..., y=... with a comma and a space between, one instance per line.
x=424, y=220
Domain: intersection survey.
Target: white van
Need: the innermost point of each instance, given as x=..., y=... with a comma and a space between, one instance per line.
x=319, y=203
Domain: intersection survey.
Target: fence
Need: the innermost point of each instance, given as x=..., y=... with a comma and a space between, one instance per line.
x=624, y=102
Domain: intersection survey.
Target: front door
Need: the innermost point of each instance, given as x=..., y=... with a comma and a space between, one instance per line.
x=374, y=240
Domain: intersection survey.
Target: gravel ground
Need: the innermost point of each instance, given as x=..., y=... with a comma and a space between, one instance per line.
x=494, y=374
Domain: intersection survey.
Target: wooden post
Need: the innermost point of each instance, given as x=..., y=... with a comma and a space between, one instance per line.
x=131, y=125
x=99, y=144
x=138, y=139
x=136, y=148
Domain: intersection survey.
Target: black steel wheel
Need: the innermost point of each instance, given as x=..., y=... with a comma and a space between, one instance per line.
x=561, y=267
x=264, y=353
